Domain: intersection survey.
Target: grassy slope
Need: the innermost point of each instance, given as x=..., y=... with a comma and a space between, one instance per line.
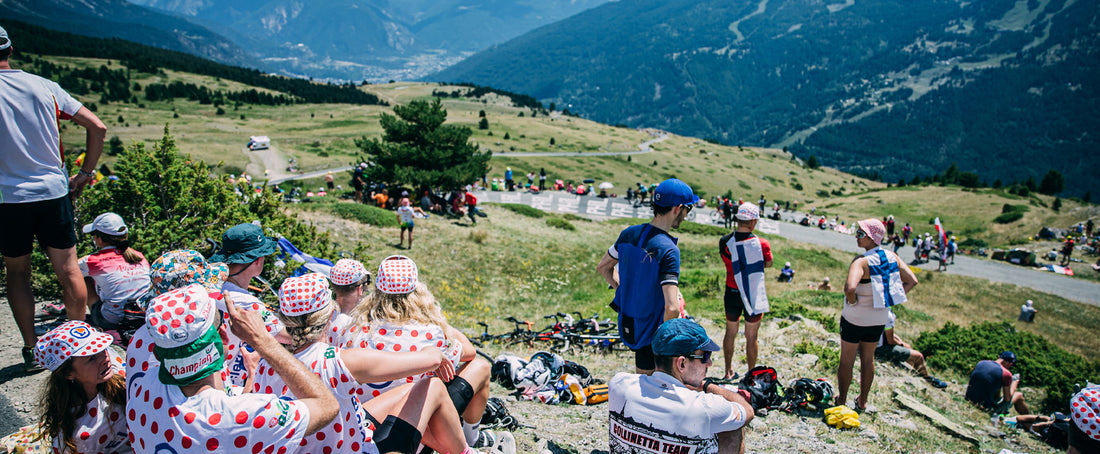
x=515, y=265
x=522, y=266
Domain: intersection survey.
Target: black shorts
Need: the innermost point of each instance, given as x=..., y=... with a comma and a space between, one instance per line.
x=643, y=358
x=735, y=308
x=395, y=435
x=855, y=334
x=461, y=393
x=51, y=221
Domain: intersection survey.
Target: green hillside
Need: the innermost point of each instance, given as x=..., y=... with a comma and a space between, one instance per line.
x=897, y=89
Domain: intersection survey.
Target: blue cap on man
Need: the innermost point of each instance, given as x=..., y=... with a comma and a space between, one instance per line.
x=680, y=336
x=672, y=192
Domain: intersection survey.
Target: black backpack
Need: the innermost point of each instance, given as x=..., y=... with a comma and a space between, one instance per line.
x=762, y=383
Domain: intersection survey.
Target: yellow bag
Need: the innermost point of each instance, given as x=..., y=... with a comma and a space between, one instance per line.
x=595, y=394
x=842, y=417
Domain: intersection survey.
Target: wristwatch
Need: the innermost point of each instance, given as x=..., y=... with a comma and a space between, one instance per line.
x=87, y=174
x=706, y=381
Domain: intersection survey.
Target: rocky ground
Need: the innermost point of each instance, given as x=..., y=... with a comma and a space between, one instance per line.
x=583, y=429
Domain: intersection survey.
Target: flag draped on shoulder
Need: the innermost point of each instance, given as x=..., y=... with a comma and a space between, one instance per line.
x=747, y=258
x=886, y=285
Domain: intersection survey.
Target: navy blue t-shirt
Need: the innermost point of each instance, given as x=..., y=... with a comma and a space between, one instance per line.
x=986, y=381
x=660, y=245
x=646, y=265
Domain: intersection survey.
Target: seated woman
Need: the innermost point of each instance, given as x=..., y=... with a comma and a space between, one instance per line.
x=115, y=275
x=403, y=315
x=84, y=399
x=395, y=421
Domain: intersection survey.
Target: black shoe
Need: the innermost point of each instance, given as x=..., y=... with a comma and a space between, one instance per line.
x=30, y=366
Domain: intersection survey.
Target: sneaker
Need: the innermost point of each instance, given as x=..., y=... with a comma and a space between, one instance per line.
x=30, y=366
x=937, y=382
x=505, y=444
x=50, y=310
x=485, y=439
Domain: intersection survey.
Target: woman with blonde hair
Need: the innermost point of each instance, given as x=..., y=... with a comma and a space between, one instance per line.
x=401, y=314
x=115, y=275
x=84, y=400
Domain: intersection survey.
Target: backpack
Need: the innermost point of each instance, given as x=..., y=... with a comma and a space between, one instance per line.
x=762, y=384
x=497, y=416
x=808, y=394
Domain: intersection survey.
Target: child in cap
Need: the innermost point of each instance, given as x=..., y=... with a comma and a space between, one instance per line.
x=402, y=315
x=349, y=280
x=115, y=274
x=305, y=306
x=85, y=395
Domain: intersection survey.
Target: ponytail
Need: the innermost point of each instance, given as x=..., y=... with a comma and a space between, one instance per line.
x=122, y=243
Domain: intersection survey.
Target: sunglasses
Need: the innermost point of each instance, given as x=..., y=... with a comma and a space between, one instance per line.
x=860, y=234
x=704, y=358
x=687, y=208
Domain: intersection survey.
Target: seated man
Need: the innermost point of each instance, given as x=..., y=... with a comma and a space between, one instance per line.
x=786, y=274
x=993, y=387
x=825, y=285
x=892, y=348
x=1027, y=312
x=676, y=409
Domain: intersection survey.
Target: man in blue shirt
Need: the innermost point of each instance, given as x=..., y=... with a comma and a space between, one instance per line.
x=643, y=266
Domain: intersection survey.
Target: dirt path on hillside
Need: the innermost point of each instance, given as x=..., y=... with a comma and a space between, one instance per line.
x=271, y=161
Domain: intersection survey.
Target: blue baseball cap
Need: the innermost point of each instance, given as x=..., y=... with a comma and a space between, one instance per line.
x=672, y=192
x=681, y=336
x=1008, y=356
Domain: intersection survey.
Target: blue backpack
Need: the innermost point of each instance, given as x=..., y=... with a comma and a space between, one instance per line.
x=639, y=312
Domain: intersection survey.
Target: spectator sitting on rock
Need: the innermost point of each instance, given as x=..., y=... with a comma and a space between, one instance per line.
x=993, y=387
x=892, y=348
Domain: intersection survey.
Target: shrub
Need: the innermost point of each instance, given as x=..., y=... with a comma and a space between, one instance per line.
x=560, y=223
x=171, y=202
x=525, y=210
x=1009, y=208
x=1042, y=364
x=1008, y=218
x=478, y=236
x=828, y=357
x=973, y=243
x=573, y=217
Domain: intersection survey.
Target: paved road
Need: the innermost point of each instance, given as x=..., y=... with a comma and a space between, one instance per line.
x=1066, y=287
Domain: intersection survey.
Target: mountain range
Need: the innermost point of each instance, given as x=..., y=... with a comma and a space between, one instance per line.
x=368, y=39
x=1004, y=88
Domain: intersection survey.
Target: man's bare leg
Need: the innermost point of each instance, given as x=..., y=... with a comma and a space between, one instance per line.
x=73, y=291
x=728, y=344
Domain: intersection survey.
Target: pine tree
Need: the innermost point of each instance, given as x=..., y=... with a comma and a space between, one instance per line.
x=1053, y=182
x=418, y=150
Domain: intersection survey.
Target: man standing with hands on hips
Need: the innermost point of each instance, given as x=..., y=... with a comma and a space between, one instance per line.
x=647, y=282
x=36, y=190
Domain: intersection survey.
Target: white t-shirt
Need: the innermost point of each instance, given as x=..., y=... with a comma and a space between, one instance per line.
x=659, y=414
x=102, y=428
x=407, y=214
x=162, y=419
x=336, y=327
x=30, y=107
x=234, y=362
x=116, y=280
x=408, y=337
x=351, y=431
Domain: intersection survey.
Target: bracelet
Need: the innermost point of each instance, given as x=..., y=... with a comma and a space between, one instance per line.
x=87, y=174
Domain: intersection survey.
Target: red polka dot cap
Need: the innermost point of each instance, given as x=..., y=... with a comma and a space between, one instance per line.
x=397, y=275
x=72, y=338
x=1084, y=408
x=304, y=294
x=348, y=272
x=181, y=316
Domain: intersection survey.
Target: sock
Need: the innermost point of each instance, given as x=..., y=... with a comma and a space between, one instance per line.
x=470, y=431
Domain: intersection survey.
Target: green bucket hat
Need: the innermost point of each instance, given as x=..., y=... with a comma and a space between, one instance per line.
x=244, y=243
